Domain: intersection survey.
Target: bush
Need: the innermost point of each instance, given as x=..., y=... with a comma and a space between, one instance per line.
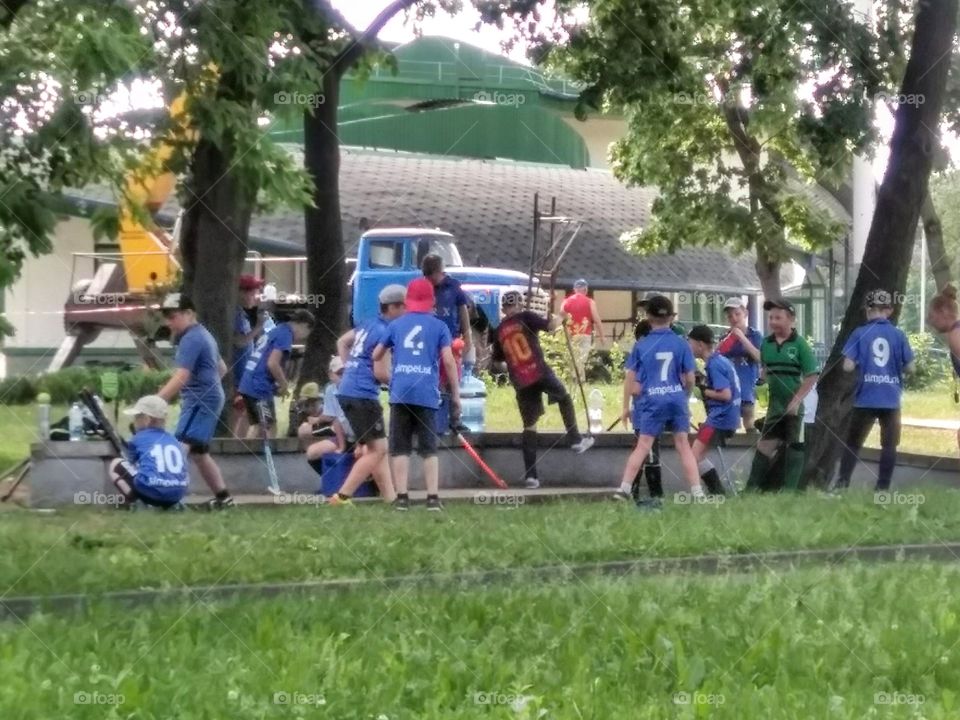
x=64, y=386
x=932, y=364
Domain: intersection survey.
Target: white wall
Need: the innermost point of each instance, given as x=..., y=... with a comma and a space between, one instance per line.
x=34, y=304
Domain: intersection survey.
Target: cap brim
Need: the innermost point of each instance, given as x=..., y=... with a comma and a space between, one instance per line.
x=130, y=412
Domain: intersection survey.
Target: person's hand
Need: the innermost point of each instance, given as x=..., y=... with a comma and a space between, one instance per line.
x=794, y=407
x=625, y=418
x=283, y=389
x=636, y=389
x=738, y=333
x=455, y=411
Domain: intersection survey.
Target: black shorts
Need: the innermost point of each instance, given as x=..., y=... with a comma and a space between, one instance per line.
x=861, y=423
x=530, y=398
x=781, y=427
x=365, y=417
x=257, y=408
x=407, y=421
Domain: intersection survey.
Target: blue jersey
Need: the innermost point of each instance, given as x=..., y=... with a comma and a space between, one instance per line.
x=417, y=340
x=257, y=379
x=748, y=369
x=358, y=378
x=722, y=375
x=449, y=298
x=881, y=352
x=659, y=361
x=197, y=352
x=161, y=466
x=241, y=326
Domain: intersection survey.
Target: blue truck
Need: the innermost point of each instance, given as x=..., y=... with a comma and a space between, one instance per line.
x=394, y=255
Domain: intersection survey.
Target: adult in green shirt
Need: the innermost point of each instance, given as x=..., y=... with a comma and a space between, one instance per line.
x=791, y=372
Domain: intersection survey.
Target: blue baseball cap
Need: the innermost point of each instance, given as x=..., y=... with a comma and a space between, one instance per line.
x=580, y=282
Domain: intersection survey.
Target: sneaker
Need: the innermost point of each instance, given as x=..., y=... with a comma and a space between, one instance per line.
x=650, y=504
x=433, y=504
x=532, y=483
x=582, y=446
x=218, y=504
x=401, y=503
x=339, y=501
x=621, y=496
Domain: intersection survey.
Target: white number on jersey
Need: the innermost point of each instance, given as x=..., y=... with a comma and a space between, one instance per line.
x=358, y=341
x=411, y=342
x=169, y=459
x=880, y=349
x=666, y=360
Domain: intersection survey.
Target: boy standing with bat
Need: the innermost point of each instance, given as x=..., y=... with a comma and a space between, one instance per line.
x=517, y=345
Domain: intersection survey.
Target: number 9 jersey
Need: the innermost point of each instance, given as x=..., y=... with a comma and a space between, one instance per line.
x=517, y=344
x=881, y=352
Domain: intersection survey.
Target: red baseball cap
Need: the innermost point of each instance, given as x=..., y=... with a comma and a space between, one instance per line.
x=249, y=282
x=420, y=297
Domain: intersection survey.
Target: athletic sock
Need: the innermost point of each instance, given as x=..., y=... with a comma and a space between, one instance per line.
x=710, y=477
x=403, y=496
x=317, y=465
x=343, y=497
x=793, y=459
x=432, y=497
x=223, y=495
x=888, y=461
x=654, y=476
x=528, y=446
x=697, y=491
x=625, y=488
x=758, y=472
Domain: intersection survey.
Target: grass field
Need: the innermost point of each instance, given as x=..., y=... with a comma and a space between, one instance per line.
x=18, y=422
x=809, y=644
x=97, y=551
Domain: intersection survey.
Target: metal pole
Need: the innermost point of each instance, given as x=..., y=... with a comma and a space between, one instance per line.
x=923, y=278
x=533, y=247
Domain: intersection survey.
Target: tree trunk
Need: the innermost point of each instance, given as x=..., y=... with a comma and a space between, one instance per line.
x=933, y=230
x=889, y=247
x=213, y=241
x=768, y=271
x=326, y=266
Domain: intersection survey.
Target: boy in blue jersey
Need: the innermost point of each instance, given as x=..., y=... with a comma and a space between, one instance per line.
x=155, y=471
x=197, y=379
x=247, y=327
x=452, y=304
x=359, y=396
x=420, y=342
x=719, y=387
x=660, y=369
x=264, y=376
x=881, y=355
x=741, y=346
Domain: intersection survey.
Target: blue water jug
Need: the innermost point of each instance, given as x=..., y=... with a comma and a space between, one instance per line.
x=473, y=401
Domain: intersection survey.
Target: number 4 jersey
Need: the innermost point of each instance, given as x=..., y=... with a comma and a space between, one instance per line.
x=660, y=360
x=161, y=467
x=881, y=352
x=517, y=345
x=417, y=340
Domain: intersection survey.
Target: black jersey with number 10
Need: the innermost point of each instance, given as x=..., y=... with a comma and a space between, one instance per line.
x=518, y=345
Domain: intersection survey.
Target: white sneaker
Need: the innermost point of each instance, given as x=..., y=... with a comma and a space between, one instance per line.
x=585, y=444
x=532, y=483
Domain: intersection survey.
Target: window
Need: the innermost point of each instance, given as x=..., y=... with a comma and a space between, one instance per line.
x=438, y=246
x=386, y=254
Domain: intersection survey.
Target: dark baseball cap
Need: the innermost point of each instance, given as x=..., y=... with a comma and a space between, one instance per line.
x=703, y=333
x=659, y=306
x=176, y=302
x=878, y=298
x=642, y=302
x=779, y=304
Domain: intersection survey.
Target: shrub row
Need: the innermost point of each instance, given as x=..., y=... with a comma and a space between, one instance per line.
x=65, y=385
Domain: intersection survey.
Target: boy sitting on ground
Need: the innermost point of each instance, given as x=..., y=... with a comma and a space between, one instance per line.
x=308, y=413
x=155, y=471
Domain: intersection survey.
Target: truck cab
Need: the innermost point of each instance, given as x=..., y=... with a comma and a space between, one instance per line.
x=394, y=255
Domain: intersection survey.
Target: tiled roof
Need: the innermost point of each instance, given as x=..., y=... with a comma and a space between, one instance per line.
x=488, y=206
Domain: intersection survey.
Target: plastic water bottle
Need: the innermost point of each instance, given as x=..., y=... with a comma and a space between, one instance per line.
x=595, y=411
x=43, y=415
x=75, y=419
x=473, y=400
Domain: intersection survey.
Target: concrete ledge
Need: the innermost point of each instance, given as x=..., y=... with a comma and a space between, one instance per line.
x=65, y=473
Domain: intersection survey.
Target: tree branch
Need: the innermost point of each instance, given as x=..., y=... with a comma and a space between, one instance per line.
x=9, y=10
x=352, y=53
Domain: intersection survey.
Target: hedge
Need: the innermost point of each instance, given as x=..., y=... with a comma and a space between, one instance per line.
x=64, y=386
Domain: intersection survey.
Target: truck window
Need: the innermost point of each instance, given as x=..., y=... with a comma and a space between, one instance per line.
x=434, y=246
x=386, y=254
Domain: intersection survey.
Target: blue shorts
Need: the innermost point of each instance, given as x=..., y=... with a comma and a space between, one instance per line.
x=197, y=425
x=747, y=374
x=658, y=418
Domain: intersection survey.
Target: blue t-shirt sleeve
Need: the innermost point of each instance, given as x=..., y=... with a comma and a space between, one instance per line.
x=633, y=359
x=133, y=448
x=188, y=352
x=241, y=324
x=284, y=338
x=687, y=363
x=717, y=379
x=852, y=348
x=387, y=338
x=462, y=298
x=444, y=338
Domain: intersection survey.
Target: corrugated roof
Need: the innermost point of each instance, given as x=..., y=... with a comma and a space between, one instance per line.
x=488, y=206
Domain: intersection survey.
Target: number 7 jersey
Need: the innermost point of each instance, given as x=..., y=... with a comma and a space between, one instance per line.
x=517, y=345
x=660, y=360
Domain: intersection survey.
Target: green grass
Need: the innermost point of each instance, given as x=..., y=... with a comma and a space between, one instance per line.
x=811, y=644
x=81, y=550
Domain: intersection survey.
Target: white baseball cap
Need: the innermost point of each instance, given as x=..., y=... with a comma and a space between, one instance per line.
x=150, y=405
x=734, y=302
